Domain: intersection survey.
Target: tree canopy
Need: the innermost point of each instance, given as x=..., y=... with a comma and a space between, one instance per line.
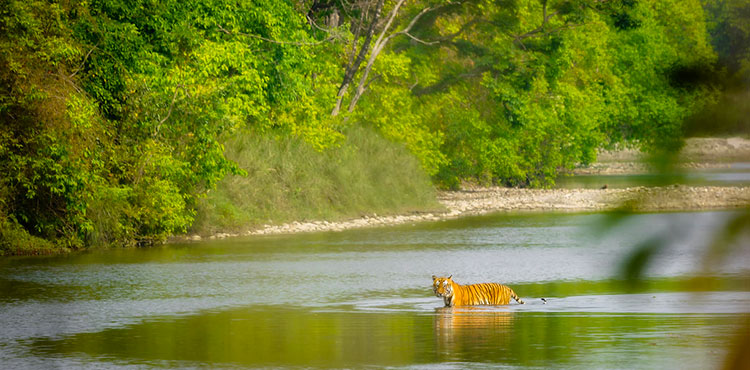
x=114, y=112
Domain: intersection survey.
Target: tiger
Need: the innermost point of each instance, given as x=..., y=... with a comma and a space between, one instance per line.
x=455, y=294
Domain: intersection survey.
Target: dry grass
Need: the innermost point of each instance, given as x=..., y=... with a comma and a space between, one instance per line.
x=287, y=180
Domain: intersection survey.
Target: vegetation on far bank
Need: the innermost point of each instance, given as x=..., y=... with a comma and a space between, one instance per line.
x=287, y=180
x=127, y=121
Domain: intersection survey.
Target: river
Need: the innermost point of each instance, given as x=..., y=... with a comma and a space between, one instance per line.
x=362, y=298
x=729, y=174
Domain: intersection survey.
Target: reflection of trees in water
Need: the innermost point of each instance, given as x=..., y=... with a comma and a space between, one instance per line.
x=463, y=332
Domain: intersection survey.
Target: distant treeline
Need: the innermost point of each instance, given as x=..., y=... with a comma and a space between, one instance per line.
x=115, y=112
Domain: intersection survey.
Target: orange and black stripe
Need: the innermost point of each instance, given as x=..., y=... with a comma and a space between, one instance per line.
x=483, y=293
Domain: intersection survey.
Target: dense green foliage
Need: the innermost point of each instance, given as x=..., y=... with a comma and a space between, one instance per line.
x=533, y=87
x=728, y=23
x=115, y=112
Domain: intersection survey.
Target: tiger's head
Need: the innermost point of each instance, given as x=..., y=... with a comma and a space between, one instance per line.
x=442, y=286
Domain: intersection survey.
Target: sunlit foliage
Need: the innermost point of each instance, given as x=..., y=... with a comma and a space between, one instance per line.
x=115, y=112
x=514, y=92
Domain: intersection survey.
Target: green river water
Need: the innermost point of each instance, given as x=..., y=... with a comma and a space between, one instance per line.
x=363, y=298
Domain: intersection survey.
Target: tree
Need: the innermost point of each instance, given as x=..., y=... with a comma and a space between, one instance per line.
x=516, y=92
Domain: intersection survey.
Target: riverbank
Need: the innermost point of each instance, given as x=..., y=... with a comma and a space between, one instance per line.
x=698, y=153
x=498, y=199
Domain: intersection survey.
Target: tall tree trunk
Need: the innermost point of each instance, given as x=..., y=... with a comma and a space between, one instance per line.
x=352, y=68
x=379, y=46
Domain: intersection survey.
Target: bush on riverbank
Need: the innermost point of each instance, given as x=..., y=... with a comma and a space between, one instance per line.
x=14, y=240
x=288, y=180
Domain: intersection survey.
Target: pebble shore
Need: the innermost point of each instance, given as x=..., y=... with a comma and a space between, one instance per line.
x=499, y=199
x=697, y=153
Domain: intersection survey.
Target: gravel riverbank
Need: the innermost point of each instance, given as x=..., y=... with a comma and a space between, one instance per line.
x=697, y=153
x=498, y=199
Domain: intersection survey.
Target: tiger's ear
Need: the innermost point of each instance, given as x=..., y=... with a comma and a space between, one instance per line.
x=449, y=277
x=434, y=277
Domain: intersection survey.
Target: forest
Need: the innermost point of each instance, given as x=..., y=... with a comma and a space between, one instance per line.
x=124, y=122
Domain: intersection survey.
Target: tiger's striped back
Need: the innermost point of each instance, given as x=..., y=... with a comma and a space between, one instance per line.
x=483, y=293
x=455, y=294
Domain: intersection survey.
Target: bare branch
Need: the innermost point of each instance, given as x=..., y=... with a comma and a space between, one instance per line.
x=421, y=41
x=169, y=113
x=407, y=31
x=380, y=44
x=377, y=77
x=376, y=49
x=70, y=81
x=539, y=30
x=353, y=66
x=413, y=22
x=449, y=80
x=315, y=25
x=83, y=62
x=416, y=82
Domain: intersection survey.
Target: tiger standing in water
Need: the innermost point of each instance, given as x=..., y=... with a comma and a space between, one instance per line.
x=455, y=294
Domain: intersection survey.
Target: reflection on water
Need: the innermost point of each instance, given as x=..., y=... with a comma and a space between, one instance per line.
x=474, y=334
x=258, y=336
x=450, y=319
x=282, y=336
x=363, y=298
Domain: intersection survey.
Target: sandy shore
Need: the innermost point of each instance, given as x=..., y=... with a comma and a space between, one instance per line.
x=497, y=199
